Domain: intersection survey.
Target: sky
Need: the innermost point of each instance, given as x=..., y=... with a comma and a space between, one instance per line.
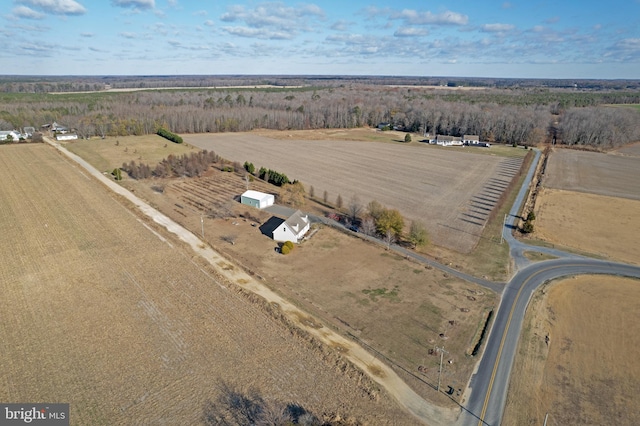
x=572, y=39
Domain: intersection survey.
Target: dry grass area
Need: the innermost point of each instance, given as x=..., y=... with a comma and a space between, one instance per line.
x=452, y=190
x=589, y=373
x=595, y=173
x=127, y=326
x=109, y=153
x=605, y=226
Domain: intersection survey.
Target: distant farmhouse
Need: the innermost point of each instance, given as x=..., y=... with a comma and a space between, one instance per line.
x=471, y=139
x=467, y=140
x=257, y=199
x=55, y=127
x=444, y=140
x=474, y=140
x=292, y=229
x=10, y=135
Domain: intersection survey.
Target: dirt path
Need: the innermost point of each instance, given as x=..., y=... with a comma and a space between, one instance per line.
x=376, y=370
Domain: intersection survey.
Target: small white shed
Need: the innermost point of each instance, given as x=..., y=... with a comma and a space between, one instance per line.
x=292, y=229
x=257, y=199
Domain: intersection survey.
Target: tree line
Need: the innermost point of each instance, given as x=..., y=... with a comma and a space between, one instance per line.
x=504, y=116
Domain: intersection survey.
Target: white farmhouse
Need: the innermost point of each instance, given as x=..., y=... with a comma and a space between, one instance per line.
x=4, y=135
x=257, y=199
x=471, y=139
x=448, y=140
x=292, y=229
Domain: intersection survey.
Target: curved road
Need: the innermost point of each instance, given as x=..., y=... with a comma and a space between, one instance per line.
x=487, y=391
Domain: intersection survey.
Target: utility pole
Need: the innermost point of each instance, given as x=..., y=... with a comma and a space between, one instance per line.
x=546, y=416
x=442, y=351
x=202, y=225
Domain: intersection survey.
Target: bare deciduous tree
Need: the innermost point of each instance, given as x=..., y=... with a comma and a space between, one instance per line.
x=355, y=207
x=368, y=226
x=389, y=238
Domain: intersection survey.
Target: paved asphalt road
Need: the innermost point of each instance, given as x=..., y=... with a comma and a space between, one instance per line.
x=487, y=391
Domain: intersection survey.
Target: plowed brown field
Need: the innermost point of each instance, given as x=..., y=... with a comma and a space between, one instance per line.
x=451, y=190
x=123, y=324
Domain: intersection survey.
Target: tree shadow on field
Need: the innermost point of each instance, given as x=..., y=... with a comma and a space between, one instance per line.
x=246, y=407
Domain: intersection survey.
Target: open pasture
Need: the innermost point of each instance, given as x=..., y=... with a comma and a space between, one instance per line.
x=608, y=227
x=109, y=153
x=122, y=323
x=588, y=372
x=397, y=307
x=596, y=173
x=451, y=190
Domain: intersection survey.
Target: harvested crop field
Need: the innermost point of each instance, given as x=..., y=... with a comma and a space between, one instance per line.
x=608, y=227
x=588, y=373
x=451, y=190
x=633, y=150
x=128, y=327
x=596, y=173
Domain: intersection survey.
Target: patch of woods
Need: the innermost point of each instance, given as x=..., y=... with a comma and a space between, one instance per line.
x=515, y=115
x=191, y=165
x=377, y=221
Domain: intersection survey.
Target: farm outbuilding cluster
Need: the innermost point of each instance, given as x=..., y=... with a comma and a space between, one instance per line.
x=466, y=140
x=257, y=199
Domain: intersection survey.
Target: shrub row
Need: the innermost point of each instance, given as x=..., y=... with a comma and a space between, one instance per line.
x=169, y=135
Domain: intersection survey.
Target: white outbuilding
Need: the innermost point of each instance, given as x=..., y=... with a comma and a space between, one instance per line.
x=257, y=199
x=292, y=229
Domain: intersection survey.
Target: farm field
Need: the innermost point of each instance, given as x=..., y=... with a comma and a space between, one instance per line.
x=633, y=150
x=125, y=325
x=595, y=173
x=451, y=190
x=608, y=227
x=589, y=372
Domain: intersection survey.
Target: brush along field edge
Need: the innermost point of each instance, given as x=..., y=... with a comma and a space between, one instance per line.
x=376, y=370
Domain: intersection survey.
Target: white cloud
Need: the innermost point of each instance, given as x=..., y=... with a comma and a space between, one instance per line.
x=27, y=13
x=341, y=25
x=209, y=23
x=87, y=35
x=57, y=7
x=128, y=35
x=497, y=28
x=135, y=4
x=507, y=5
x=200, y=13
x=260, y=33
x=410, y=32
x=414, y=17
x=272, y=20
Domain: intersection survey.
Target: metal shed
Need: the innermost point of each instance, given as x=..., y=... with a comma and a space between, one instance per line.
x=257, y=199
